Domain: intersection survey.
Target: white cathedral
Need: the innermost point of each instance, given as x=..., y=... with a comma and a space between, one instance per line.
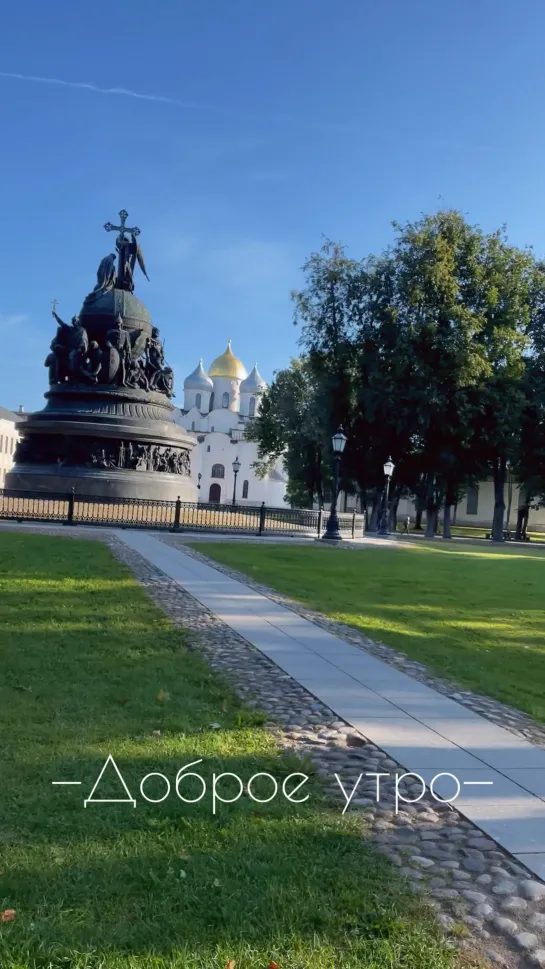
x=218, y=407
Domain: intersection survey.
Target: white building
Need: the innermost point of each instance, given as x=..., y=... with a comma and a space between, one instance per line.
x=476, y=508
x=218, y=407
x=8, y=439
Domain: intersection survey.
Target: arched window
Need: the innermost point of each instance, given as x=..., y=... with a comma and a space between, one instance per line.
x=215, y=493
x=218, y=471
x=251, y=407
x=192, y=425
x=211, y=401
x=244, y=489
x=225, y=400
x=198, y=401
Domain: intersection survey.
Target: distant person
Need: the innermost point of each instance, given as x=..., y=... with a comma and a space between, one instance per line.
x=407, y=525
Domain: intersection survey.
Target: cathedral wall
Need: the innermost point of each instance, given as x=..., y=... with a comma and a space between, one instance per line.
x=214, y=457
x=230, y=386
x=245, y=400
x=190, y=400
x=8, y=440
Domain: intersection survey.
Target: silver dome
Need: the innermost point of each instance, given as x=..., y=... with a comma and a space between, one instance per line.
x=198, y=380
x=254, y=382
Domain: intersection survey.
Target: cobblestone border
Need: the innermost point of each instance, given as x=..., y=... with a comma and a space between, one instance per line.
x=499, y=713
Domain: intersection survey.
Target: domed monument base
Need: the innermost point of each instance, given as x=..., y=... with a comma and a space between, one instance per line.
x=107, y=430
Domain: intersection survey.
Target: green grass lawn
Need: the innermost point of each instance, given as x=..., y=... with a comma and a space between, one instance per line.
x=472, y=614
x=89, y=668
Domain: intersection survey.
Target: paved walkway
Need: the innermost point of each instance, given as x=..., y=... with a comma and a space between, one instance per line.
x=419, y=728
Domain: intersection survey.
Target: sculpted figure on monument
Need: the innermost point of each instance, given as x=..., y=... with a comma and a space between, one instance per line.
x=55, y=361
x=118, y=339
x=185, y=463
x=136, y=376
x=79, y=343
x=141, y=458
x=91, y=364
x=105, y=279
x=160, y=376
x=70, y=340
x=130, y=253
x=163, y=460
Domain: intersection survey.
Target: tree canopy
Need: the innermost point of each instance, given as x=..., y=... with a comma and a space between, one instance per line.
x=432, y=352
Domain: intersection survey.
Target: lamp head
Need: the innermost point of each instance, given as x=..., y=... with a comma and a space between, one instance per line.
x=389, y=468
x=338, y=440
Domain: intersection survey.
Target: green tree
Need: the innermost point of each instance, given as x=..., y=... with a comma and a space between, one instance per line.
x=289, y=427
x=419, y=356
x=509, y=299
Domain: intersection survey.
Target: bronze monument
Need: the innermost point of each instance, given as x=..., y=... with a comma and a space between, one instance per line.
x=107, y=428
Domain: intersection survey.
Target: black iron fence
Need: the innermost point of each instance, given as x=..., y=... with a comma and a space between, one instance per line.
x=76, y=509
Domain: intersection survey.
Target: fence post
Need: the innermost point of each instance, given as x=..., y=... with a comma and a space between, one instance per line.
x=71, y=499
x=354, y=523
x=261, y=519
x=177, y=513
x=319, y=522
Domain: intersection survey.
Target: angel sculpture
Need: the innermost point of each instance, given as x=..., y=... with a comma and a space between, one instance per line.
x=134, y=254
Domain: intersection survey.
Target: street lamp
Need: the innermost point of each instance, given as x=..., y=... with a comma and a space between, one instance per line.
x=338, y=441
x=236, y=469
x=388, y=472
x=199, y=476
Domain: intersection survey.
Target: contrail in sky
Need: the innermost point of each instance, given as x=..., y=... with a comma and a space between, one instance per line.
x=177, y=102
x=101, y=90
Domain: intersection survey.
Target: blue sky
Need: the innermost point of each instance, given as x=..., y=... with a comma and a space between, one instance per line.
x=260, y=127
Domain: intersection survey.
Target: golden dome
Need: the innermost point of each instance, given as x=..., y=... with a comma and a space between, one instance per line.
x=227, y=365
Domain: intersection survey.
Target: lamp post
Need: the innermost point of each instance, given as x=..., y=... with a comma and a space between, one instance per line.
x=199, y=476
x=388, y=472
x=236, y=469
x=338, y=441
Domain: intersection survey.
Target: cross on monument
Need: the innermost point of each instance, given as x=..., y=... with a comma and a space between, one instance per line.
x=122, y=243
x=122, y=229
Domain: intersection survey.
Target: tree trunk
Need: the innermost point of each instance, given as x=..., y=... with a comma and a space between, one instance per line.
x=418, y=516
x=450, y=496
x=520, y=523
x=392, y=525
x=375, y=510
x=523, y=514
x=525, y=523
x=500, y=465
x=446, y=522
x=431, y=510
x=509, y=499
